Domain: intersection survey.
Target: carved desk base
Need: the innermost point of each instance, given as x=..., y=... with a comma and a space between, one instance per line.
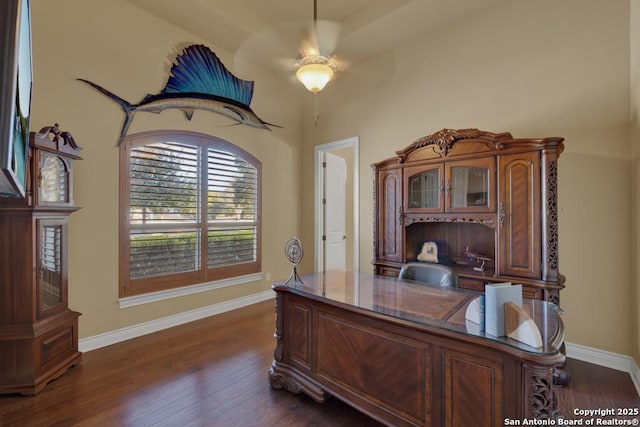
x=405, y=374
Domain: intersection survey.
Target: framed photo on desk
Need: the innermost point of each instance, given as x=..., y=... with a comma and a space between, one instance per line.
x=15, y=95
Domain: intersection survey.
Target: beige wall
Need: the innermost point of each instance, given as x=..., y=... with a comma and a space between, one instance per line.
x=536, y=69
x=635, y=159
x=129, y=52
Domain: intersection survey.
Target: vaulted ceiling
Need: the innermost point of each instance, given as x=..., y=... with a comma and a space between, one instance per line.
x=268, y=32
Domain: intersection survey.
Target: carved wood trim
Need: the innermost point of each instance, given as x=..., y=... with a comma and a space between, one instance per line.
x=553, y=296
x=445, y=138
x=282, y=376
x=280, y=381
x=59, y=139
x=542, y=402
x=277, y=352
x=552, y=215
x=487, y=222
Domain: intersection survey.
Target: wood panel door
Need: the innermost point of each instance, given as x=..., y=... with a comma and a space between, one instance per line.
x=474, y=389
x=519, y=215
x=390, y=227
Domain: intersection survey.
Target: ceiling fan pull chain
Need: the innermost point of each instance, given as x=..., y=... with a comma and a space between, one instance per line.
x=317, y=108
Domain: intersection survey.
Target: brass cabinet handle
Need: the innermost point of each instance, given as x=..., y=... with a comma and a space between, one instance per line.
x=502, y=214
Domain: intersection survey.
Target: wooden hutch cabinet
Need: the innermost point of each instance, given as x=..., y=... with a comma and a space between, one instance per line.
x=487, y=200
x=38, y=332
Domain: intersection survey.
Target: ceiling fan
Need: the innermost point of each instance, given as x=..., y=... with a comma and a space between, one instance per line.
x=316, y=66
x=304, y=49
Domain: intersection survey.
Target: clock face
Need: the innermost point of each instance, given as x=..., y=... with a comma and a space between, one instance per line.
x=53, y=180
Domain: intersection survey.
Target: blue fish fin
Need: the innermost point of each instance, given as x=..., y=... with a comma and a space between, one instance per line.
x=188, y=113
x=126, y=106
x=125, y=126
x=198, y=70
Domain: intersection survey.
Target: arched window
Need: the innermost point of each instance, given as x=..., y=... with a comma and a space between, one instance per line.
x=189, y=211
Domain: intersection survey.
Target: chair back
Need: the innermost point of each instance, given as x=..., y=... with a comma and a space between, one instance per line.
x=436, y=274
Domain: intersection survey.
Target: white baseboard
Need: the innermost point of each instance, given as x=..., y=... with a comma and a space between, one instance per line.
x=607, y=359
x=119, y=335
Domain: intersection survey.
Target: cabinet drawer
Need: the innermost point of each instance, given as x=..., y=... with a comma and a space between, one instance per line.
x=475, y=284
x=533, y=293
x=388, y=271
x=56, y=346
x=478, y=285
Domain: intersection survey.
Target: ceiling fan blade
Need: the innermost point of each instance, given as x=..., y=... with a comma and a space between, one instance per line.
x=274, y=48
x=327, y=36
x=321, y=38
x=285, y=64
x=341, y=64
x=282, y=46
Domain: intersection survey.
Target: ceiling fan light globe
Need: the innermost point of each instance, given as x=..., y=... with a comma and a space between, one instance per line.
x=314, y=76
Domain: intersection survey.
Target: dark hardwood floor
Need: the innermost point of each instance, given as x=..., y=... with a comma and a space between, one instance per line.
x=213, y=372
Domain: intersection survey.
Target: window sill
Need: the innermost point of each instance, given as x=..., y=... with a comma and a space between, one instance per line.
x=187, y=290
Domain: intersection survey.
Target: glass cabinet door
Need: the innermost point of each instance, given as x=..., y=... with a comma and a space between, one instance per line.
x=424, y=189
x=53, y=177
x=51, y=275
x=470, y=186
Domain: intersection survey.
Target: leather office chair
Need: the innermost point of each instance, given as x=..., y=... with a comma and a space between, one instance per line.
x=436, y=274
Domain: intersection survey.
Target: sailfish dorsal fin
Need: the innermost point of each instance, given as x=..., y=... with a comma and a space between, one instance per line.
x=198, y=70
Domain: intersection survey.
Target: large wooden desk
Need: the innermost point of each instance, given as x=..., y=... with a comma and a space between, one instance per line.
x=402, y=352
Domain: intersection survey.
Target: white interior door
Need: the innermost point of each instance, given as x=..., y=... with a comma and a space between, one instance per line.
x=346, y=149
x=335, y=248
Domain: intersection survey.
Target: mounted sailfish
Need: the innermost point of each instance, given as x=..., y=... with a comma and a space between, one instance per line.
x=198, y=81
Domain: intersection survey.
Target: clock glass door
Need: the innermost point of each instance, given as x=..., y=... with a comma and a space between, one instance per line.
x=51, y=271
x=53, y=178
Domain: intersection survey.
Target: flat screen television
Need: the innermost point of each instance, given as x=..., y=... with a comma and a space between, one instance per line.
x=15, y=95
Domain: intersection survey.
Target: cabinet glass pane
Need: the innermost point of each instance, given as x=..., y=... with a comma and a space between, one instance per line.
x=53, y=180
x=469, y=187
x=50, y=266
x=424, y=189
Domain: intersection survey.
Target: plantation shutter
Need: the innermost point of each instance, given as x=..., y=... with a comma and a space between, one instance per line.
x=50, y=270
x=164, y=210
x=232, y=195
x=192, y=211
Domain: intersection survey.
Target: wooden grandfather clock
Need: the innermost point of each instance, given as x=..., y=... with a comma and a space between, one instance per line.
x=38, y=331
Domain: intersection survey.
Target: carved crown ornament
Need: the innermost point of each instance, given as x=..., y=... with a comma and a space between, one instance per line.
x=445, y=139
x=52, y=138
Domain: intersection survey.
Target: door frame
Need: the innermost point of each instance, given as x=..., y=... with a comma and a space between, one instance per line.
x=318, y=212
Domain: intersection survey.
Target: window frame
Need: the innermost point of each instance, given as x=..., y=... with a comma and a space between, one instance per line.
x=132, y=287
